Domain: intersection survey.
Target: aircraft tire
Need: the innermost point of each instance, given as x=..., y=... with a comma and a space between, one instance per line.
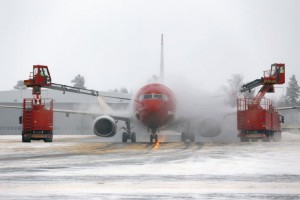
x=192, y=137
x=183, y=137
x=124, y=137
x=133, y=137
x=151, y=139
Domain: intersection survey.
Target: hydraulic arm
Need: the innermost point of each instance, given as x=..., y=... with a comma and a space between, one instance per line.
x=40, y=77
x=271, y=77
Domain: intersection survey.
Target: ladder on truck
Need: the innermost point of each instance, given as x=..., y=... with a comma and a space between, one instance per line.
x=27, y=114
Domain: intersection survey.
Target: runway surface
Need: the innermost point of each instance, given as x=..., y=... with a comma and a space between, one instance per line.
x=85, y=167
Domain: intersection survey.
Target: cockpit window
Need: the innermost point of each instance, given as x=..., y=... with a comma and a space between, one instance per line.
x=157, y=96
x=147, y=96
x=154, y=96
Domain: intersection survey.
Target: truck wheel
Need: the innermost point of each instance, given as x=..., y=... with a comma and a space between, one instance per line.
x=267, y=139
x=26, y=140
x=244, y=140
x=48, y=140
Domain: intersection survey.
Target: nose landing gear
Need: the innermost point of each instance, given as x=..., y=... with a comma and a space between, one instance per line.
x=153, y=137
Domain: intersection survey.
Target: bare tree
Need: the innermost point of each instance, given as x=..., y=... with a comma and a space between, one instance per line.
x=153, y=79
x=115, y=90
x=78, y=81
x=233, y=88
x=123, y=90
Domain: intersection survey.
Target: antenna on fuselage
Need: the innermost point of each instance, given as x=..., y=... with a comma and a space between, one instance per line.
x=162, y=70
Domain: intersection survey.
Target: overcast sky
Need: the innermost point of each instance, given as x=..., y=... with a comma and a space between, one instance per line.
x=116, y=43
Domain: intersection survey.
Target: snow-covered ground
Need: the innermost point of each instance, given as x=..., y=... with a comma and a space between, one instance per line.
x=83, y=167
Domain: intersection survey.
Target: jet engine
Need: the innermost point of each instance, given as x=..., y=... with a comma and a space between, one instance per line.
x=104, y=126
x=209, y=127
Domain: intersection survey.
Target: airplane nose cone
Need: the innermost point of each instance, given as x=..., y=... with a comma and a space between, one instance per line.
x=153, y=115
x=153, y=106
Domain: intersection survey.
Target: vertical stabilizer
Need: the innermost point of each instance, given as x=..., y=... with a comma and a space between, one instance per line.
x=162, y=70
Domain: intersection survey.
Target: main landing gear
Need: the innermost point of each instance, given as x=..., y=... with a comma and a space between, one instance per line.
x=128, y=135
x=187, y=136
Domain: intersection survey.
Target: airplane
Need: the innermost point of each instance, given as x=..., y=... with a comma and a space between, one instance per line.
x=154, y=106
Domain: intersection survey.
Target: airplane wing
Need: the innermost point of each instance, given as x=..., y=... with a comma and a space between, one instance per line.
x=122, y=117
x=105, y=123
x=288, y=108
x=14, y=107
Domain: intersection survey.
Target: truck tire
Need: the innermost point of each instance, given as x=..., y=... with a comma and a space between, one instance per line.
x=244, y=139
x=267, y=139
x=48, y=140
x=26, y=140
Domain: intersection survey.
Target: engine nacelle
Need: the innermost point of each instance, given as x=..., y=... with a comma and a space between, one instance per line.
x=104, y=126
x=209, y=127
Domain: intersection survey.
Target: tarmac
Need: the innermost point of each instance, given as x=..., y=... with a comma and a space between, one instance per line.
x=88, y=167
